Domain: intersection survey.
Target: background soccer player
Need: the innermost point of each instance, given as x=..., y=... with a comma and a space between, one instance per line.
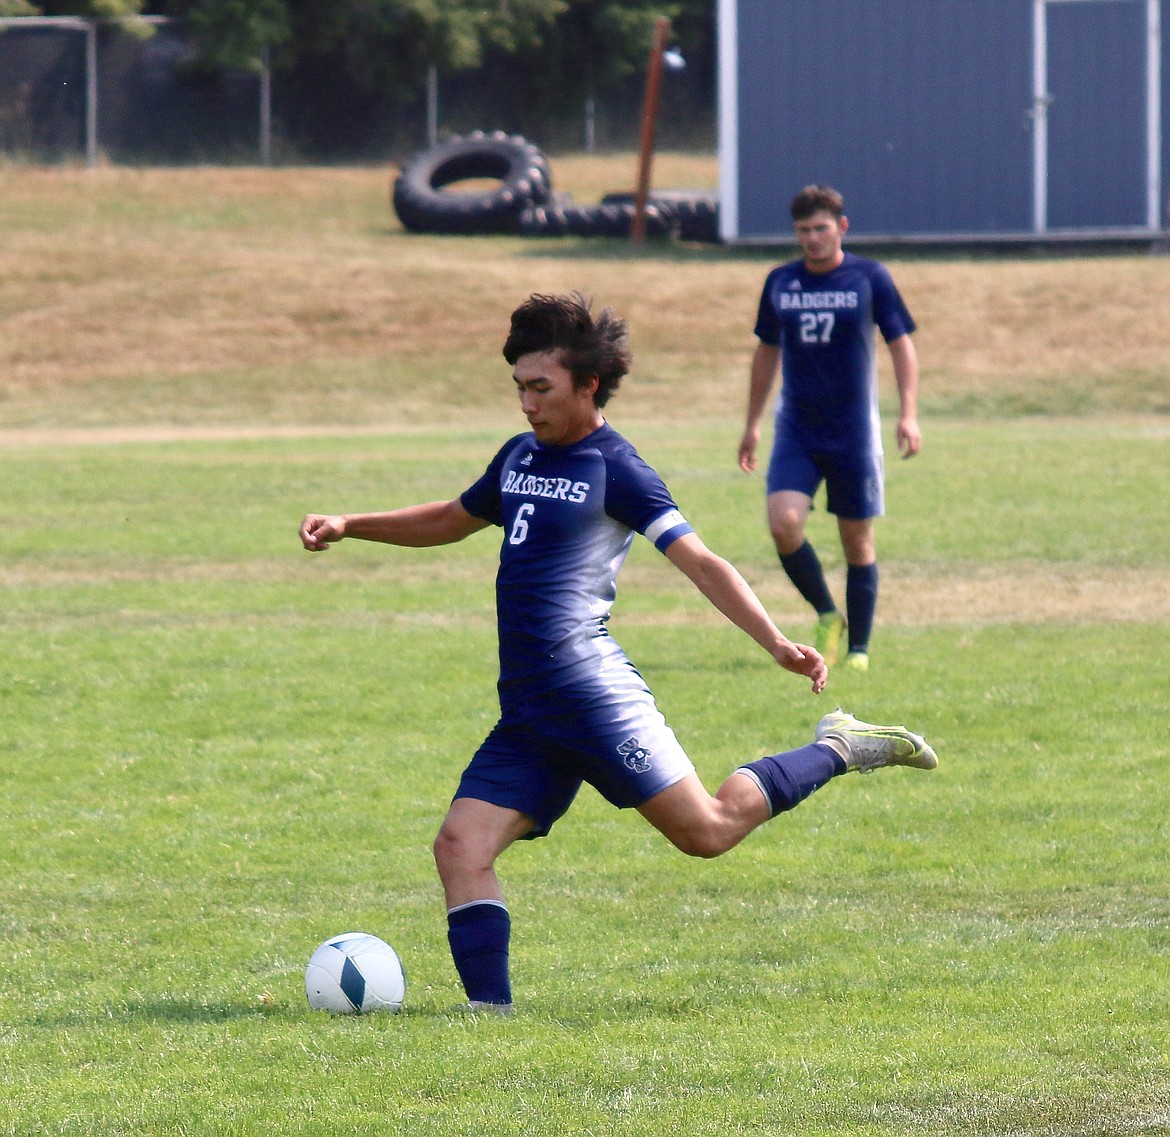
x=569, y=495
x=816, y=318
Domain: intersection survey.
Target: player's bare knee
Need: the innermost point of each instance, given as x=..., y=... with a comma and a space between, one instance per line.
x=858, y=542
x=450, y=851
x=787, y=533
x=703, y=845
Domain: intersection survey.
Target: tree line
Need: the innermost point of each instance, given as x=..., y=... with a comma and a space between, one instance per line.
x=559, y=55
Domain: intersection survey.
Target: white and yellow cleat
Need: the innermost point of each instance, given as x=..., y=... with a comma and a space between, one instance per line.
x=871, y=747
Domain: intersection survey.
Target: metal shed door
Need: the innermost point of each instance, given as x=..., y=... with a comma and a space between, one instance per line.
x=1097, y=112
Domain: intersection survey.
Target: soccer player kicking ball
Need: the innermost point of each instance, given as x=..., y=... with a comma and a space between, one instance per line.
x=569, y=494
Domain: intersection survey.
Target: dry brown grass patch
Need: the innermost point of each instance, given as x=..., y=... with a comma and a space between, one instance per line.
x=283, y=288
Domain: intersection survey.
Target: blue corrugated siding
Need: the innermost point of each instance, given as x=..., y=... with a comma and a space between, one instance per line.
x=1164, y=204
x=920, y=112
x=917, y=112
x=1097, y=120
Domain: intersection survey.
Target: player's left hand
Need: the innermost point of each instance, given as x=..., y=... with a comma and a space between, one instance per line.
x=801, y=659
x=909, y=437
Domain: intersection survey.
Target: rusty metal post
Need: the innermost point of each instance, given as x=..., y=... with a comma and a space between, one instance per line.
x=649, y=120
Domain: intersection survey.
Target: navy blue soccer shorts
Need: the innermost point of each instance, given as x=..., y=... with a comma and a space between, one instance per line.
x=608, y=733
x=854, y=482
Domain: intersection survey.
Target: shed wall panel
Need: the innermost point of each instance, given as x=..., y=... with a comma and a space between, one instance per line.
x=922, y=113
x=1097, y=119
x=919, y=115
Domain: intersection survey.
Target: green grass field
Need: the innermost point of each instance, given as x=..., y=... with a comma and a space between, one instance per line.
x=219, y=750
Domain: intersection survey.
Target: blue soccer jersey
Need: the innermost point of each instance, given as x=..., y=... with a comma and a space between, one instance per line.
x=569, y=514
x=824, y=324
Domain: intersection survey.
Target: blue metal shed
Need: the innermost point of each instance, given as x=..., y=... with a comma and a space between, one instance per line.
x=945, y=119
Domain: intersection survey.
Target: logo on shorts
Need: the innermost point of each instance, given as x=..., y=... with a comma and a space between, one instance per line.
x=635, y=756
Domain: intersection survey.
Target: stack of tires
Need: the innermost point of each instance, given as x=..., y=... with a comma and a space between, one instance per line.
x=564, y=218
x=694, y=215
x=522, y=199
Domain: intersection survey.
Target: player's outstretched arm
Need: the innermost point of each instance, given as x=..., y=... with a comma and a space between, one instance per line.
x=721, y=583
x=418, y=526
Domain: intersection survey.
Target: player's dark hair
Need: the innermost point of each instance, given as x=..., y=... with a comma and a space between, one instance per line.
x=589, y=345
x=813, y=199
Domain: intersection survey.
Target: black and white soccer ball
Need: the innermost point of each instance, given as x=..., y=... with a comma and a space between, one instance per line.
x=354, y=973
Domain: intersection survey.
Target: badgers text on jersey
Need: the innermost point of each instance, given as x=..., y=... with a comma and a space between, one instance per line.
x=558, y=489
x=821, y=300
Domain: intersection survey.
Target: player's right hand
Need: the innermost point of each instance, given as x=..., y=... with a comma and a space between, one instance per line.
x=747, y=449
x=319, y=532
x=801, y=659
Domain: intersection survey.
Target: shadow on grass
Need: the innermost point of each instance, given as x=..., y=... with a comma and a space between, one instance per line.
x=608, y=248
x=662, y=252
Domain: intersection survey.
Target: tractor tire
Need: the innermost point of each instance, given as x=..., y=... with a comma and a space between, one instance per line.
x=424, y=203
x=613, y=220
x=696, y=213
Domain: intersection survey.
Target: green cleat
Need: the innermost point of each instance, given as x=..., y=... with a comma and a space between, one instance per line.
x=827, y=635
x=871, y=747
x=856, y=661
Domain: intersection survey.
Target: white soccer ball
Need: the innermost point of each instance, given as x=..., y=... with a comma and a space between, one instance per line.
x=354, y=973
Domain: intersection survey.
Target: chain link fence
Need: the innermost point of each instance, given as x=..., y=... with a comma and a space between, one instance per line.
x=79, y=90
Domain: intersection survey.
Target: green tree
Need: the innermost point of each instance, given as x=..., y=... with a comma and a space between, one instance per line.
x=592, y=53
x=100, y=9
x=235, y=33
x=383, y=44
x=604, y=41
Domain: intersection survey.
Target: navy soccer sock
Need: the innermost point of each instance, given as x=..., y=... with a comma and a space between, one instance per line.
x=861, y=593
x=787, y=779
x=478, y=934
x=804, y=570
